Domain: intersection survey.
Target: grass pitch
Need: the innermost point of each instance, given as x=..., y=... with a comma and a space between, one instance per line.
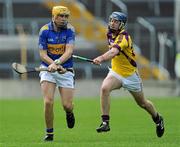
x=22, y=124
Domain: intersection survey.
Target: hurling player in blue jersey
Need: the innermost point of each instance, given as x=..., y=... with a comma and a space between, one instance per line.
x=56, y=43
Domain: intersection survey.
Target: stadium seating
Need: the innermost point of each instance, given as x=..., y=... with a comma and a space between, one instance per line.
x=92, y=29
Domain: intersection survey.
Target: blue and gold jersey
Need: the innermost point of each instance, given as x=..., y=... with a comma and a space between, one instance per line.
x=55, y=42
x=125, y=62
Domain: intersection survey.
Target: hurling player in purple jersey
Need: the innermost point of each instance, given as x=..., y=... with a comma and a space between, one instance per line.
x=123, y=73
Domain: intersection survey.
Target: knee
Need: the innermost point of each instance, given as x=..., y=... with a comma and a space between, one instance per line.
x=48, y=101
x=105, y=89
x=68, y=107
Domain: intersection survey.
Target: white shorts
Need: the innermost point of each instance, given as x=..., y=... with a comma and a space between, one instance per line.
x=65, y=80
x=131, y=83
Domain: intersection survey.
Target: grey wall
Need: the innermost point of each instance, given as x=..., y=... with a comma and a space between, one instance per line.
x=84, y=89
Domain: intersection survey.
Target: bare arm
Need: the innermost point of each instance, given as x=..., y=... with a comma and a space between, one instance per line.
x=44, y=57
x=67, y=54
x=106, y=56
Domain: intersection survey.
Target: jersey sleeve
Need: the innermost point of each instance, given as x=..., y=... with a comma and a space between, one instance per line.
x=71, y=35
x=43, y=39
x=121, y=42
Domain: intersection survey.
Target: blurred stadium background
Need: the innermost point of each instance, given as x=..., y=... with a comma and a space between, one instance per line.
x=153, y=24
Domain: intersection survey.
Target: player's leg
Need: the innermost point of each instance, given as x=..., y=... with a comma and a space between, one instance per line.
x=149, y=107
x=144, y=103
x=67, y=102
x=48, y=90
x=110, y=83
x=65, y=83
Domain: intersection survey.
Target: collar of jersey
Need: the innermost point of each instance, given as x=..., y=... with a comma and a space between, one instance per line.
x=50, y=25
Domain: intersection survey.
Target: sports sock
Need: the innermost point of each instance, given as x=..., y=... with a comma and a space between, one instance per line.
x=49, y=131
x=105, y=118
x=69, y=112
x=156, y=119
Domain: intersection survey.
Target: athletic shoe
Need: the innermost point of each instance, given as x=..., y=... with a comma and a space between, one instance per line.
x=48, y=137
x=160, y=127
x=104, y=127
x=70, y=119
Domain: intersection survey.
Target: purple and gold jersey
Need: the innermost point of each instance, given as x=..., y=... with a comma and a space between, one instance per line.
x=55, y=42
x=124, y=63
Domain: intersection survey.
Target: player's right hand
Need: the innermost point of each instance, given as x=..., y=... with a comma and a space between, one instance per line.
x=97, y=60
x=52, y=67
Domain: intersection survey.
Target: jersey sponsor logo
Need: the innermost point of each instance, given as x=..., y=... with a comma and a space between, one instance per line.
x=56, y=49
x=50, y=39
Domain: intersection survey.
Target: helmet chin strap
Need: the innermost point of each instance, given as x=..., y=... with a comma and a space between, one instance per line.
x=121, y=26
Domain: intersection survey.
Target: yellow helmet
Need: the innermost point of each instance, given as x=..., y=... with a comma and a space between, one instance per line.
x=56, y=10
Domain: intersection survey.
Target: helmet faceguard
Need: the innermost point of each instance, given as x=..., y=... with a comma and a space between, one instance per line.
x=121, y=17
x=61, y=10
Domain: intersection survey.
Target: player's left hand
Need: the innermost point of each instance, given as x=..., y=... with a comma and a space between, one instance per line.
x=61, y=70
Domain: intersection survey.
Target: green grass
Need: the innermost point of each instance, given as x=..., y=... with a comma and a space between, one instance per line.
x=22, y=124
